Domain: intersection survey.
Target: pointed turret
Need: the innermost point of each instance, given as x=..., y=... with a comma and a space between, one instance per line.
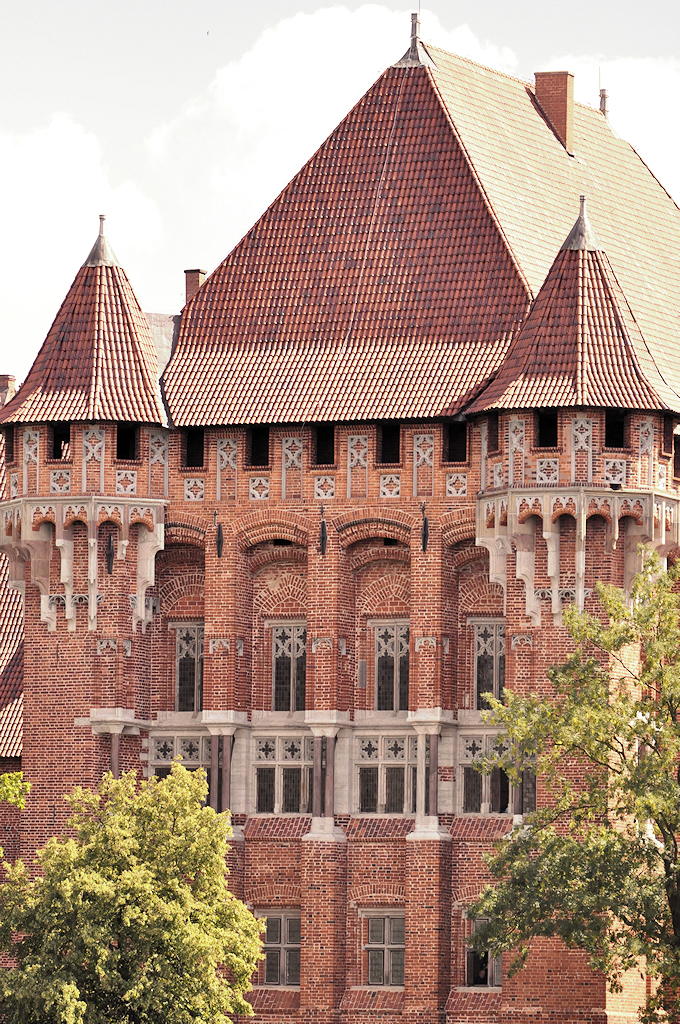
x=98, y=362
x=580, y=344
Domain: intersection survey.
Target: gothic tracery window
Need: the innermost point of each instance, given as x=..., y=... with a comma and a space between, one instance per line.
x=289, y=667
x=391, y=666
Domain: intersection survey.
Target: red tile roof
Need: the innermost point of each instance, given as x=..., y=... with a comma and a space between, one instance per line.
x=580, y=344
x=355, y=295
x=388, y=278
x=11, y=656
x=98, y=361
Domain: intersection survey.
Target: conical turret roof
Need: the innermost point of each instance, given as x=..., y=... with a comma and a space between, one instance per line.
x=580, y=344
x=98, y=362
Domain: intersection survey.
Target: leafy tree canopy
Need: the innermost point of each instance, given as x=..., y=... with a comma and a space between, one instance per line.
x=599, y=867
x=131, y=920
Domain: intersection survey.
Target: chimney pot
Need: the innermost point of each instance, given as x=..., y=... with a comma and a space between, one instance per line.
x=8, y=388
x=555, y=96
x=193, y=280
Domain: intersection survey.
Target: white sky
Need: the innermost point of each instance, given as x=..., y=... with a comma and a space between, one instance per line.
x=183, y=119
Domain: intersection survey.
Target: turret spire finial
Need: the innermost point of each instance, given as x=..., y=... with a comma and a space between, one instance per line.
x=102, y=218
x=582, y=235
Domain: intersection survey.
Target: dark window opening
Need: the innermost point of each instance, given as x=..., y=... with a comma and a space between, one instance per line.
x=390, y=542
x=392, y=668
x=9, y=444
x=194, y=439
x=394, y=790
x=668, y=427
x=279, y=543
x=265, y=790
x=483, y=969
x=455, y=442
x=389, y=438
x=126, y=442
x=500, y=792
x=61, y=442
x=546, y=432
x=258, y=446
x=676, y=456
x=614, y=428
x=189, y=668
x=290, y=668
x=472, y=791
x=385, y=950
x=368, y=790
x=489, y=662
x=292, y=790
x=324, y=444
x=282, y=950
x=492, y=439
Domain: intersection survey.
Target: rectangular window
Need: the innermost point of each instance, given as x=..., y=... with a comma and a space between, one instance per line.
x=389, y=448
x=289, y=663
x=472, y=791
x=499, y=796
x=391, y=667
x=257, y=447
x=668, y=428
x=676, y=456
x=126, y=442
x=492, y=437
x=9, y=444
x=61, y=442
x=194, y=441
x=614, y=428
x=489, y=664
x=389, y=783
x=546, y=428
x=455, y=442
x=492, y=793
x=483, y=970
x=189, y=668
x=385, y=948
x=324, y=444
x=282, y=949
x=285, y=783
x=368, y=790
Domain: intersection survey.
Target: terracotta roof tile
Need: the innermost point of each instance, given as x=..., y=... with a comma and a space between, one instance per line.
x=98, y=361
x=365, y=269
x=11, y=666
x=403, y=256
x=580, y=344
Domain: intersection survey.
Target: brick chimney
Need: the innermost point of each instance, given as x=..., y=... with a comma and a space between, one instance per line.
x=193, y=279
x=555, y=95
x=8, y=387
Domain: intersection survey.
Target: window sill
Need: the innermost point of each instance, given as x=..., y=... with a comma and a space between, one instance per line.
x=479, y=988
x=276, y=988
x=408, y=815
x=375, y=988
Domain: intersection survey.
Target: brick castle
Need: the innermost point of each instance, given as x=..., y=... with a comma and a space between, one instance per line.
x=296, y=533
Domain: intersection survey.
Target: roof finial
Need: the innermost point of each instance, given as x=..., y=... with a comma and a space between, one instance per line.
x=416, y=56
x=102, y=218
x=582, y=235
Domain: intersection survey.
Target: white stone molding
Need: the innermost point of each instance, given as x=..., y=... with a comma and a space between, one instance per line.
x=158, y=455
x=425, y=643
x=446, y=644
x=582, y=441
x=547, y=471
x=357, y=460
x=219, y=644
x=390, y=485
x=239, y=647
x=104, y=645
x=524, y=540
x=127, y=648
x=456, y=485
x=324, y=488
x=93, y=451
x=498, y=476
x=31, y=457
x=13, y=485
x=126, y=481
x=322, y=643
x=615, y=471
x=258, y=488
x=663, y=478
x=521, y=640
x=423, y=456
x=291, y=462
x=517, y=437
x=484, y=438
x=227, y=453
x=194, y=488
x=60, y=481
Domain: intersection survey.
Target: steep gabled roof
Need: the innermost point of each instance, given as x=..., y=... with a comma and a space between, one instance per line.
x=579, y=345
x=355, y=295
x=98, y=361
x=388, y=278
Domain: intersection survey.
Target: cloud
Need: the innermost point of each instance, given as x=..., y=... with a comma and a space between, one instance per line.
x=231, y=151
x=643, y=98
x=54, y=185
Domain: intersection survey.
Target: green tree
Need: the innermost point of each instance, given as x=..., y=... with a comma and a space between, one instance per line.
x=599, y=867
x=131, y=920
x=13, y=790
